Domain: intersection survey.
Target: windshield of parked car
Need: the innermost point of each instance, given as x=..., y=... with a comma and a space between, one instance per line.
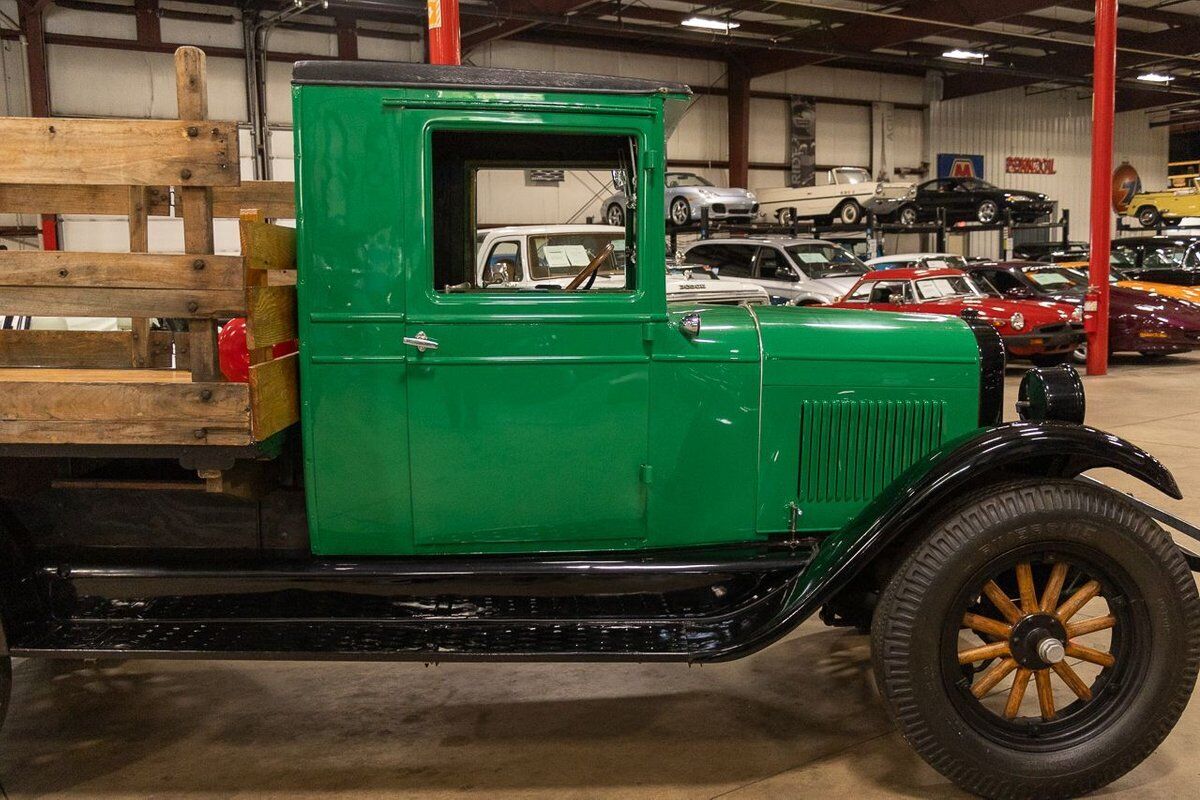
x=677, y=180
x=943, y=262
x=1056, y=278
x=1184, y=256
x=562, y=255
x=853, y=176
x=826, y=260
x=947, y=286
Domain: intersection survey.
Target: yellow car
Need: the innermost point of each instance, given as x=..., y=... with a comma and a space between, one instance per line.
x=1169, y=205
x=1189, y=293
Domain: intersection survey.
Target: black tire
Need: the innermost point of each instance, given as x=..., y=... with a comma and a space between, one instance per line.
x=680, y=212
x=1079, y=354
x=615, y=215
x=785, y=216
x=1148, y=217
x=1087, y=743
x=907, y=215
x=848, y=213
x=987, y=212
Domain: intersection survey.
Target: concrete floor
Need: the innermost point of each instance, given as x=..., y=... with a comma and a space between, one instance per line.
x=801, y=718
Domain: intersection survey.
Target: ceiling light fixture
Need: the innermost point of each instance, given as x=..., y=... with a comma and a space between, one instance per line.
x=1155, y=77
x=964, y=55
x=725, y=26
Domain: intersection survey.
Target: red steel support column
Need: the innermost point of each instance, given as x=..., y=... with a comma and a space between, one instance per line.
x=444, y=39
x=738, y=100
x=1103, y=99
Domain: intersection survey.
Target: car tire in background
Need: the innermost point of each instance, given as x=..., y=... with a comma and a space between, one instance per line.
x=615, y=215
x=680, y=212
x=785, y=216
x=1148, y=216
x=848, y=213
x=907, y=215
x=998, y=588
x=987, y=212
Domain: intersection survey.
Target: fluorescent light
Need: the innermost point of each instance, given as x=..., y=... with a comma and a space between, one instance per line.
x=964, y=55
x=725, y=26
x=1154, y=77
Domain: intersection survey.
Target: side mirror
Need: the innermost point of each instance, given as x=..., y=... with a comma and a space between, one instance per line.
x=689, y=326
x=500, y=272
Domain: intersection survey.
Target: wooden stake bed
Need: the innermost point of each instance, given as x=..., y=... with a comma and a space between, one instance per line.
x=160, y=382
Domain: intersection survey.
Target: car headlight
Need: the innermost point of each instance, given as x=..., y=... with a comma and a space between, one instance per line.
x=706, y=193
x=1017, y=321
x=753, y=198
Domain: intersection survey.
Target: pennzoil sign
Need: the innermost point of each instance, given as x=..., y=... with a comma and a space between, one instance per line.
x=1021, y=165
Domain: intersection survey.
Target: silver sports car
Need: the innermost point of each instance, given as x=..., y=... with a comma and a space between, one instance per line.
x=687, y=193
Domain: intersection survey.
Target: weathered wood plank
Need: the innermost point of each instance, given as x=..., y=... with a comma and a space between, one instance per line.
x=195, y=432
x=191, y=92
x=221, y=404
x=86, y=349
x=171, y=303
x=151, y=152
x=274, y=396
x=138, y=270
x=270, y=315
x=273, y=199
x=266, y=246
x=27, y=198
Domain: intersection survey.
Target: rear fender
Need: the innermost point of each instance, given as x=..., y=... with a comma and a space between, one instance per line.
x=1004, y=452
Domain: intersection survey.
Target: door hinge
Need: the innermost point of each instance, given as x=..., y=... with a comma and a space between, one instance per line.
x=647, y=474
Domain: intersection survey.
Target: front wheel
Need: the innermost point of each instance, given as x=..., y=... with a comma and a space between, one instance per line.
x=848, y=213
x=680, y=212
x=1148, y=216
x=987, y=212
x=907, y=215
x=615, y=215
x=1040, y=641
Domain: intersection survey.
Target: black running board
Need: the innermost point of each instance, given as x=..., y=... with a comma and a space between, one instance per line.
x=685, y=605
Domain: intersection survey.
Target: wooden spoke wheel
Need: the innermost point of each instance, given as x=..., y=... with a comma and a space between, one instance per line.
x=1045, y=621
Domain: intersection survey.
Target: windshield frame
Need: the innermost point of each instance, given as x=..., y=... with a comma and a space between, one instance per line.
x=704, y=183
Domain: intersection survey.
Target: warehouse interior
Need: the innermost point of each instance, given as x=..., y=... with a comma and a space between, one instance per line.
x=1004, y=99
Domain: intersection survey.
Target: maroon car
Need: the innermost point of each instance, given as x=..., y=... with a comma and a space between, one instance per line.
x=1139, y=322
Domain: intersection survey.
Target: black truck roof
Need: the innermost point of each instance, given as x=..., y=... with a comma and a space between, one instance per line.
x=436, y=76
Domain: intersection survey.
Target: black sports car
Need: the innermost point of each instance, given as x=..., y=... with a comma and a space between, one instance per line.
x=1051, y=252
x=978, y=201
x=1158, y=259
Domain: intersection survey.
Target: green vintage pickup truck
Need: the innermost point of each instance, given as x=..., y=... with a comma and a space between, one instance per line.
x=586, y=472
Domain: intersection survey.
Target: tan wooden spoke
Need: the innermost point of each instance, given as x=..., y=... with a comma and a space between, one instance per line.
x=1045, y=693
x=1089, y=654
x=1058, y=576
x=1072, y=679
x=995, y=673
x=1002, y=602
x=1092, y=625
x=1077, y=601
x=1017, y=693
x=1029, y=599
x=992, y=627
x=993, y=650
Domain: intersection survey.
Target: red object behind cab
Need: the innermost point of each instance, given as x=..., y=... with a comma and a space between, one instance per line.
x=234, y=353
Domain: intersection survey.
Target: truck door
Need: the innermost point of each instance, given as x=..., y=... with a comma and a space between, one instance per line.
x=528, y=406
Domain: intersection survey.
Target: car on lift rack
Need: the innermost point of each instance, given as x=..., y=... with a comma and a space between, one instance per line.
x=799, y=272
x=1050, y=252
x=687, y=195
x=1139, y=321
x=843, y=195
x=1044, y=331
x=1166, y=207
x=1158, y=259
x=975, y=200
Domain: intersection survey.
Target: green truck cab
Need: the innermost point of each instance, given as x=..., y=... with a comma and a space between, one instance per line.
x=486, y=473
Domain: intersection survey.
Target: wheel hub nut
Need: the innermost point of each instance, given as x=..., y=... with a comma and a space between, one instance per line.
x=1051, y=650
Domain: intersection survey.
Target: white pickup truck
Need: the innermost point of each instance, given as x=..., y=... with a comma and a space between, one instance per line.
x=549, y=256
x=843, y=194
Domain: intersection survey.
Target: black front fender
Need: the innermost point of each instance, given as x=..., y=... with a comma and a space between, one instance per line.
x=1004, y=452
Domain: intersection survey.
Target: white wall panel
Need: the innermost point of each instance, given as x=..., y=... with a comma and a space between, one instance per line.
x=768, y=130
x=91, y=23
x=702, y=134
x=850, y=84
x=374, y=47
x=843, y=135
x=1050, y=125
x=213, y=34
x=910, y=138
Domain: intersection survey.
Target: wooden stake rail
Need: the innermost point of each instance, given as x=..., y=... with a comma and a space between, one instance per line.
x=150, y=385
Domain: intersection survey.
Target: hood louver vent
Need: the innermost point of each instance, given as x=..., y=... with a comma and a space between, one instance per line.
x=852, y=449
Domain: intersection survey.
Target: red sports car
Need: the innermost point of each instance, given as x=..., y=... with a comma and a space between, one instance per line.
x=1041, y=330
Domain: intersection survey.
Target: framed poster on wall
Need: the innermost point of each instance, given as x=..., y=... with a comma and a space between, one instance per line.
x=802, y=148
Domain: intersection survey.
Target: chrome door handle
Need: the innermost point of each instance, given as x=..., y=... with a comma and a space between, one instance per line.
x=421, y=342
